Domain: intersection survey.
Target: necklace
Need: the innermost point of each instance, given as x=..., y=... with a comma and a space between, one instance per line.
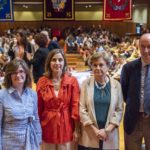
x=100, y=87
x=56, y=84
x=103, y=86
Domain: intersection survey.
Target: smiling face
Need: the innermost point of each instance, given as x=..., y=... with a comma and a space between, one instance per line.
x=18, y=77
x=57, y=63
x=144, y=45
x=99, y=68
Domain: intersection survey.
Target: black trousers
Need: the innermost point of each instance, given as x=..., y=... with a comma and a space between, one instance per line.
x=89, y=148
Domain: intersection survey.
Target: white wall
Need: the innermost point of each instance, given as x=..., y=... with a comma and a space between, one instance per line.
x=28, y=16
x=139, y=14
x=88, y=15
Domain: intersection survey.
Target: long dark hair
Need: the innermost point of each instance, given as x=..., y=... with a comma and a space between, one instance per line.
x=23, y=36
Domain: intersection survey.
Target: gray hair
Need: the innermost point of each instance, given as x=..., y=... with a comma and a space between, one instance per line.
x=45, y=33
x=104, y=55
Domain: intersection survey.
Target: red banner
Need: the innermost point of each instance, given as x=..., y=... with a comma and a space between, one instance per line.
x=117, y=9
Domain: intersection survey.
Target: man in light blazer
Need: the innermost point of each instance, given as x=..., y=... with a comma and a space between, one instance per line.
x=137, y=112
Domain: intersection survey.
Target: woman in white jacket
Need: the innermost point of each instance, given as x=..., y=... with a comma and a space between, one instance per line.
x=101, y=107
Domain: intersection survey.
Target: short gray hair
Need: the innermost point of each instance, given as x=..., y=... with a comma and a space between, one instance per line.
x=105, y=55
x=45, y=33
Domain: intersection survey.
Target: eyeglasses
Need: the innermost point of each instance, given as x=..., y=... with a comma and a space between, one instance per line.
x=18, y=72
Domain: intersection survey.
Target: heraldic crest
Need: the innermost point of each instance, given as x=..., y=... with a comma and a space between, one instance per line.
x=58, y=5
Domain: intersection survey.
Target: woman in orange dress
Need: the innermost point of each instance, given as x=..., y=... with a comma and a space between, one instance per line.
x=58, y=103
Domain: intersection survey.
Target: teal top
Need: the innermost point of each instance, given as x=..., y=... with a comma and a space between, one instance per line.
x=102, y=98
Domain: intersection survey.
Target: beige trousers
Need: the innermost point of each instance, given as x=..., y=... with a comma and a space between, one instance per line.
x=65, y=146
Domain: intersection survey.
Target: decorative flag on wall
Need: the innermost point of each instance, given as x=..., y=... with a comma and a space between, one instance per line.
x=58, y=9
x=117, y=9
x=6, y=13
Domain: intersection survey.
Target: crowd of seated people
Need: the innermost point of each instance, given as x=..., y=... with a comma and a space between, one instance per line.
x=82, y=39
x=34, y=45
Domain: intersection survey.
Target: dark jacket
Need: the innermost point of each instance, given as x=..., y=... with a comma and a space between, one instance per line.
x=131, y=87
x=38, y=63
x=53, y=45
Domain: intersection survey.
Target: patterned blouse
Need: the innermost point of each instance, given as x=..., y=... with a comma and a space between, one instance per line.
x=19, y=122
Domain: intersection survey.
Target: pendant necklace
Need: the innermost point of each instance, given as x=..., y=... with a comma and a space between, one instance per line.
x=100, y=87
x=56, y=84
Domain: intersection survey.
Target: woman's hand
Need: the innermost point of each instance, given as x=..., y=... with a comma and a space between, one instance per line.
x=99, y=133
x=76, y=132
x=102, y=135
x=76, y=135
x=29, y=56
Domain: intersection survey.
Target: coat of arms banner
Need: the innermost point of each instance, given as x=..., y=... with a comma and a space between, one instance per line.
x=58, y=9
x=117, y=9
x=6, y=13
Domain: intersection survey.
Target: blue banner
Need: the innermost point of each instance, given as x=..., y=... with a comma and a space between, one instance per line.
x=6, y=13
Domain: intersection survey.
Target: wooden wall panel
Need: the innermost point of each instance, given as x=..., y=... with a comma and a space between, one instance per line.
x=116, y=27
